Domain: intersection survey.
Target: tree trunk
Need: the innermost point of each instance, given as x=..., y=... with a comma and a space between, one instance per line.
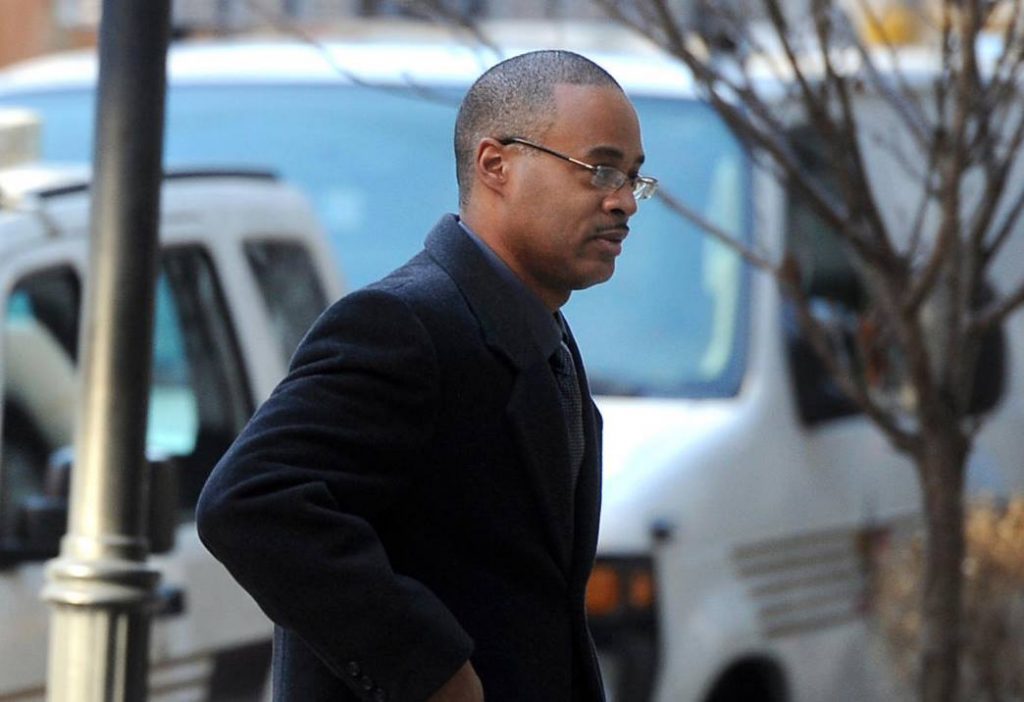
x=941, y=464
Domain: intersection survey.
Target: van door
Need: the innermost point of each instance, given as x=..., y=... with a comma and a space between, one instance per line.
x=221, y=641
x=39, y=307
x=199, y=400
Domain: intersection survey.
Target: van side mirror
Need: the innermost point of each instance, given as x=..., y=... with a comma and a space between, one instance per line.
x=41, y=520
x=819, y=398
x=990, y=368
x=164, y=489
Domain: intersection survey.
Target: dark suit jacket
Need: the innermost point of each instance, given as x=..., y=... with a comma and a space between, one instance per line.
x=402, y=501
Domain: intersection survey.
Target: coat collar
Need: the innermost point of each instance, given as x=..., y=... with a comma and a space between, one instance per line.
x=506, y=327
x=570, y=517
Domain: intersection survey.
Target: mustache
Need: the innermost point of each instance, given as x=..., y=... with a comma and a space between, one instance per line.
x=615, y=231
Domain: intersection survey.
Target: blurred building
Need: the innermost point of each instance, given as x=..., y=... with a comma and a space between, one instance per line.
x=32, y=27
x=240, y=15
x=235, y=14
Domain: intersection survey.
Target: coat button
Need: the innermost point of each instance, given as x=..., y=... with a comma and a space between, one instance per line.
x=366, y=682
x=353, y=669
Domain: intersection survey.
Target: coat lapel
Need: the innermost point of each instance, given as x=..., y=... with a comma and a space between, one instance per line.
x=533, y=409
x=587, y=512
x=535, y=416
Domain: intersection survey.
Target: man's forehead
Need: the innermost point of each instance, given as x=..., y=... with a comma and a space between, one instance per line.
x=613, y=153
x=599, y=118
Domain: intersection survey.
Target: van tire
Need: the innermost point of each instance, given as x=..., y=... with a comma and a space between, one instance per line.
x=750, y=680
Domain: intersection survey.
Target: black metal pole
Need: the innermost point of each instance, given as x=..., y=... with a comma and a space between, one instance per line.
x=101, y=587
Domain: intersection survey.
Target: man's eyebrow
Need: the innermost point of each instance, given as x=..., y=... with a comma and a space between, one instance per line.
x=610, y=153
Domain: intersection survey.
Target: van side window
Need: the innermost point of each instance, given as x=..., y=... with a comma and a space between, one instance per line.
x=838, y=299
x=290, y=287
x=199, y=399
x=40, y=331
x=825, y=266
x=830, y=280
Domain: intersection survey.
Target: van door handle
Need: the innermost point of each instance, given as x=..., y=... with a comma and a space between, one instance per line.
x=170, y=601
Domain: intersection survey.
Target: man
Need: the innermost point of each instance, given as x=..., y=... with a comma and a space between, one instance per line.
x=416, y=505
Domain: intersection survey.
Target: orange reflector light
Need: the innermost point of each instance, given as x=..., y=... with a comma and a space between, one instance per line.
x=641, y=590
x=604, y=591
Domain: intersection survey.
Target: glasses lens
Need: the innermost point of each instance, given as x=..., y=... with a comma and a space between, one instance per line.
x=608, y=178
x=644, y=187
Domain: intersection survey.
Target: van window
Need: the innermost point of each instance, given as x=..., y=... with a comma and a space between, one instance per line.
x=377, y=163
x=825, y=264
x=839, y=297
x=829, y=279
x=290, y=286
x=40, y=330
x=199, y=399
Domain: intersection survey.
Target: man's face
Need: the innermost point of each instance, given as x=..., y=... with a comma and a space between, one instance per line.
x=565, y=232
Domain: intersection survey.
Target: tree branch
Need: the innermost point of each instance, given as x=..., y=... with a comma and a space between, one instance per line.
x=928, y=194
x=789, y=279
x=859, y=188
x=285, y=24
x=756, y=125
x=1006, y=55
x=1006, y=228
x=903, y=99
x=951, y=160
x=439, y=12
x=815, y=103
x=747, y=252
x=995, y=316
x=817, y=335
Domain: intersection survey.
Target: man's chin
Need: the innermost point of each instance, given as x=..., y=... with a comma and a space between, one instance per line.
x=597, y=277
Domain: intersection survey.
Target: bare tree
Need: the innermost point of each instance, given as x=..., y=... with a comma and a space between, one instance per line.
x=954, y=127
x=832, y=117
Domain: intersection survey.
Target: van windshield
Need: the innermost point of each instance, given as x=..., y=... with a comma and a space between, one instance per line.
x=379, y=168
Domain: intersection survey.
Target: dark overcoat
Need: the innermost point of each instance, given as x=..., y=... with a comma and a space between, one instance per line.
x=402, y=501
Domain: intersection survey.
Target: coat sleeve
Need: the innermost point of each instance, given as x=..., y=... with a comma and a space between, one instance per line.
x=290, y=507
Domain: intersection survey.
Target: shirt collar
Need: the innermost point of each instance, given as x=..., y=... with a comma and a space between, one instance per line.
x=546, y=328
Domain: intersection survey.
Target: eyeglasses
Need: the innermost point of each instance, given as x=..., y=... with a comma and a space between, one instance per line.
x=603, y=177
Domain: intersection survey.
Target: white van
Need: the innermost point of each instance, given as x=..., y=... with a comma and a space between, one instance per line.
x=244, y=269
x=740, y=491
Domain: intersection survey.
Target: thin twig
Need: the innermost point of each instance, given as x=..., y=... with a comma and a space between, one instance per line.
x=999, y=312
x=285, y=24
x=817, y=335
x=755, y=125
x=747, y=252
x=1006, y=227
x=847, y=157
x=903, y=98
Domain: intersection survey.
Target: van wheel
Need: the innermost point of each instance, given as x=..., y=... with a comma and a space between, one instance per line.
x=752, y=680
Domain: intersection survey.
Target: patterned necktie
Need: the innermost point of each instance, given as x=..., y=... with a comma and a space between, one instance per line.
x=572, y=404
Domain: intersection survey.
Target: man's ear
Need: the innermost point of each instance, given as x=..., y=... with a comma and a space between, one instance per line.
x=492, y=168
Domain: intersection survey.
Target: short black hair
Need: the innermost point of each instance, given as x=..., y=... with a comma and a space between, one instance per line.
x=516, y=98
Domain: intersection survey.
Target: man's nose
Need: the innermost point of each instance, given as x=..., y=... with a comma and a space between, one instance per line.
x=621, y=200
